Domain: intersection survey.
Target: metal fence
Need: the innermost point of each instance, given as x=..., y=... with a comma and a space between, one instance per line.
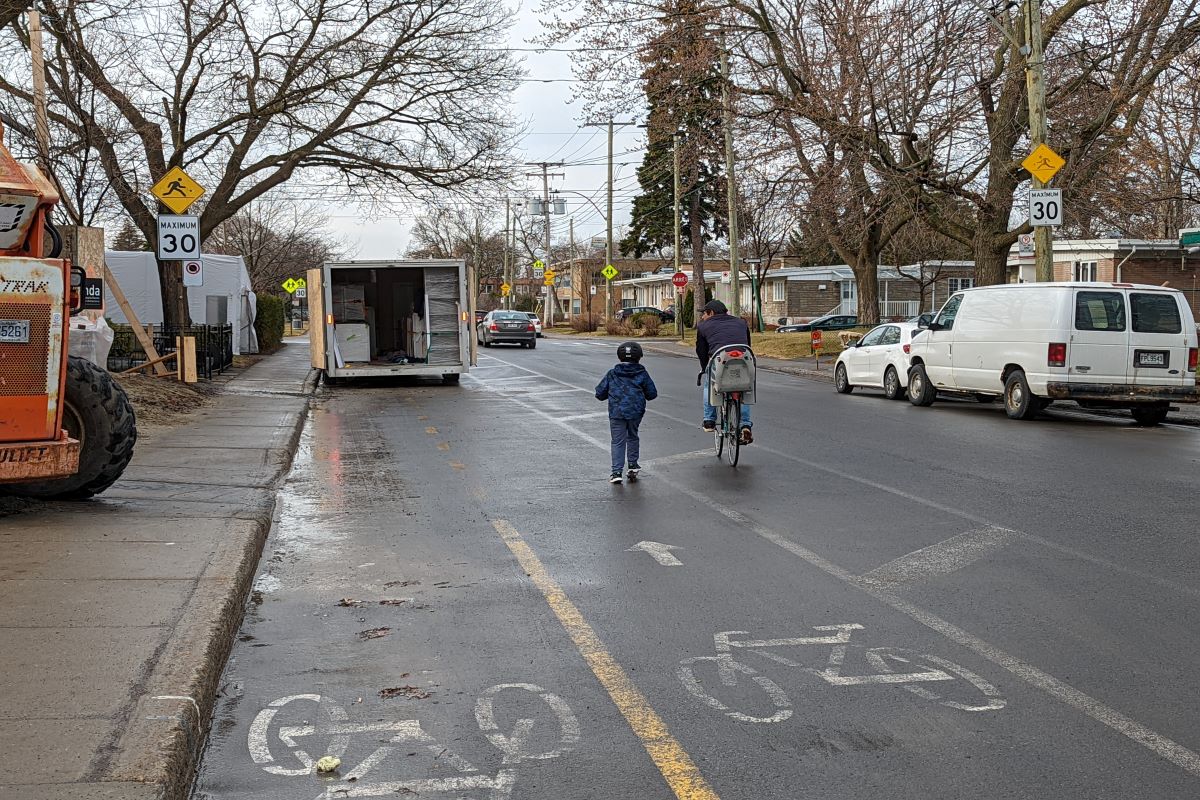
x=214, y=347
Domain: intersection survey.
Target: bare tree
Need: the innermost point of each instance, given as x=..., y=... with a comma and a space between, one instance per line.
x=277, y=240
x=377, y=97
x=766, y=219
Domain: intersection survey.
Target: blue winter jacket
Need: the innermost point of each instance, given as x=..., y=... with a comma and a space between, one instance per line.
x=626, y=387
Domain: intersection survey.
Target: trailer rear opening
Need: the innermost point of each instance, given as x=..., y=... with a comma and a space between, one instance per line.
x=389, y=318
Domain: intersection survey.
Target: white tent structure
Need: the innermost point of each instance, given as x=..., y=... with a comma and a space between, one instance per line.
x=224, y=298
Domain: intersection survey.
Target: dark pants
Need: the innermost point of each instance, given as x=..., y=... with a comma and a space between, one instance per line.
x=626, y=447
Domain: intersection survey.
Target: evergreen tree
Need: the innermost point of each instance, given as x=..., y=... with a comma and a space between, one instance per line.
x=129, y=238
x=682, y=82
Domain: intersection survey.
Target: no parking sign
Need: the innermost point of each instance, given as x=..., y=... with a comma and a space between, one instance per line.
x=193, y=273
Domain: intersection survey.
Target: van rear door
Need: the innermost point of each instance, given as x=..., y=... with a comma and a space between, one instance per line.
x=1099, y=348
x=1159, y=338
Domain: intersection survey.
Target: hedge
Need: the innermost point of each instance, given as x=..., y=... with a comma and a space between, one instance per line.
x=269, y=322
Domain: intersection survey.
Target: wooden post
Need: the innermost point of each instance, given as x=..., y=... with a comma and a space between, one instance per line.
x=188, y=360
x=142, y=337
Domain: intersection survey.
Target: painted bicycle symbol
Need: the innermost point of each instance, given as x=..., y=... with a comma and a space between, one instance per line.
x=929, y=677
x=327, y=729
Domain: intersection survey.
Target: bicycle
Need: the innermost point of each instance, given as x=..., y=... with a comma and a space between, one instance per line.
x=731, y=382
x=893, y=666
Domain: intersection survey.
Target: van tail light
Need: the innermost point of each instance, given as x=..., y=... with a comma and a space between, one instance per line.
x=1056, y=354
x=1192, y=358
x=907, y=349
x=530, y=327
x=493, y=327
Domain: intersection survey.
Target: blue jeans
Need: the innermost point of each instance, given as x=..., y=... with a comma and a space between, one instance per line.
x=710, y=411
x=626, y=446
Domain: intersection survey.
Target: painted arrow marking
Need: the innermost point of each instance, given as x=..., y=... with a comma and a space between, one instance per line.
x=659, y=552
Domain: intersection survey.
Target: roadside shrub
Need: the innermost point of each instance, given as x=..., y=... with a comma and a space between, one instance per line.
x=584, y=323
x=616, y=328
x=268, y=323
x=651, y=324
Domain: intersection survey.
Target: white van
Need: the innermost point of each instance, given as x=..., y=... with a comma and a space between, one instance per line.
x=1110, y=345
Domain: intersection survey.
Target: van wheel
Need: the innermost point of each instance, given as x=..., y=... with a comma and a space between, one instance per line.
x=920, y=390
x=450, y=379
x=841, y=381
x=891, y=385
x=1149, y=416
x=1019, y=402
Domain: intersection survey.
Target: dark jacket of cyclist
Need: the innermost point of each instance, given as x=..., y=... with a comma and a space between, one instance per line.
x=718, y=328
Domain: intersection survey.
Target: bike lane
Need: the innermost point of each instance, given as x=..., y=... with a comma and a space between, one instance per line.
x=842, y=738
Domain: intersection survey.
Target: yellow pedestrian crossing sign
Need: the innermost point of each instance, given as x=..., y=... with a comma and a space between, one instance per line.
x=290, y=285
x=177, y=191
x=609, y=272
x=505, y=289
x=539, y=264
x=1043, y=163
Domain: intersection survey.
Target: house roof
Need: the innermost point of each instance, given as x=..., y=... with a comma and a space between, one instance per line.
x=837, y=272
x=1099, y=248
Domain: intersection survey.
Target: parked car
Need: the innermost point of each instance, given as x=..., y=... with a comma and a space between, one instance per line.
x=1107, y=345
x=628, y=313
x=511, y=327
x=479, y=315
x=829, y=322
x=877, y=360
x=537, y=322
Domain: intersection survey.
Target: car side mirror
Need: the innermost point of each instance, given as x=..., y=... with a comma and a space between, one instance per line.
x=930, y=326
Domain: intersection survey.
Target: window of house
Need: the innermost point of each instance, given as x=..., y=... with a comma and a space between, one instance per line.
x=1099, y=311
x=1085, y=271
x=778, y=291
x=747, y=295
x=958, y=284
x=1155, y=313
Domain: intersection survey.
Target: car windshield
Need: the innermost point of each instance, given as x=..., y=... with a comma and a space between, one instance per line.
x=509, y=315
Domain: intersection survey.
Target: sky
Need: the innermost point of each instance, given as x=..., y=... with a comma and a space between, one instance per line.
x=554, y=132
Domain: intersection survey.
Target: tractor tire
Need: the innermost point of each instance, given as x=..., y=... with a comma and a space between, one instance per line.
x=96, y=411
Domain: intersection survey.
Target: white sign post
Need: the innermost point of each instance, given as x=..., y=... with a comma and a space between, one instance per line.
x=1045, y=207
x=178, y=238
x=193, y=273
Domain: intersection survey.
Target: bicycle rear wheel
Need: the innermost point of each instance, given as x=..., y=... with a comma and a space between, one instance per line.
x=732, y=429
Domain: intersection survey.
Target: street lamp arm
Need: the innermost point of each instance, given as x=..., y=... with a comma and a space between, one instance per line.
x=1023, y=49
x=591, y=202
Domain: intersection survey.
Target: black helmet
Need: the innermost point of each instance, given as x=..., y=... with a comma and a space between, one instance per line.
x=629, y=351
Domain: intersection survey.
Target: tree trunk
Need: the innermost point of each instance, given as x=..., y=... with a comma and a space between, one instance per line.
x=174, y=294
x=866, y=275
x=697, y=239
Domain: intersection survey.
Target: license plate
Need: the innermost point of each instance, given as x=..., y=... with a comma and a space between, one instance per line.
x=14, y=331
x=1152, y=358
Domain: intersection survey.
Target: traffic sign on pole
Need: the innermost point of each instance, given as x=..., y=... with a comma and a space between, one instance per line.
x=177, y=191
x=193, y=273
x=1045, y=207
x=680, y=279
x=1043, y=163
x=505, y=289
x=290, y=285
x=609, y=272
x=178, y=238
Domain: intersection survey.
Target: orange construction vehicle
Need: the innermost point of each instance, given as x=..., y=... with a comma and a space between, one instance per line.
x=66, y=427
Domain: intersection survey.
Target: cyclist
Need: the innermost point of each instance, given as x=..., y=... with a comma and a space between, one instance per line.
x=717, y=329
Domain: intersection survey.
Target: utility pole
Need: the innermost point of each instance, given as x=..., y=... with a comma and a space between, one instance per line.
x=505, y=301
x=679, y=324
x=1035, y=85
x=472, y=284
x=571, y=273
x=548, y=309
x=41, y=122
x=608, y=217
x=735, y=298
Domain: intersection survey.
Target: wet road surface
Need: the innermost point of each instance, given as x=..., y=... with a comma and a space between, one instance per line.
x=880, y=601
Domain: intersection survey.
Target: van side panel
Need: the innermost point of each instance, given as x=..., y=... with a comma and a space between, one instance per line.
x=1099, y=348
x=1161, y=331
x=1008, y=325
x=316, y=317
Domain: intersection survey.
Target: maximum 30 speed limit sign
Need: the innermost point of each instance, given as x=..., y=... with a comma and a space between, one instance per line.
x=1045, y=207
x=178, y=238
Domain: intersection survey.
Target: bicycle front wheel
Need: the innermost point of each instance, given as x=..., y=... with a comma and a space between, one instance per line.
x=732, y=429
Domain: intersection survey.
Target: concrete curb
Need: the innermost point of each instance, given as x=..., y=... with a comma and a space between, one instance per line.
x=182, y=687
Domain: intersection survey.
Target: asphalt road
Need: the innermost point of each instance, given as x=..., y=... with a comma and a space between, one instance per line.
x=879, y=601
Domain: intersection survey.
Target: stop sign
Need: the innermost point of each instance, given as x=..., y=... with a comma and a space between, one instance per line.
x=680, y=279
x=816, y=341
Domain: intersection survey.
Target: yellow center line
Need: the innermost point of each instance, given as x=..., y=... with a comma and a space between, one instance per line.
x=676, y=766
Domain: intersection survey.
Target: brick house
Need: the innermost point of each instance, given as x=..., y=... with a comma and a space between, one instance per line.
x=1156, y=262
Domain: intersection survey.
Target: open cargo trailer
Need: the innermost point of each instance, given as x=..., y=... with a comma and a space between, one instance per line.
x=376, y=319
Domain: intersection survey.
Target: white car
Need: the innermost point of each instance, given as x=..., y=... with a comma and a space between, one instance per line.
x=537, y=322
x=878, y=360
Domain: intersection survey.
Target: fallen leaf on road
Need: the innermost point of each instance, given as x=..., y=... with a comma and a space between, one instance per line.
x=411, y=692
x=390, y=584
x=328, y=763
x=399, y=602
x=374, y=633
x=346, y=602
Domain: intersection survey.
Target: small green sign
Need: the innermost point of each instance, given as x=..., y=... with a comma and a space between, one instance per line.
x=1189, y=237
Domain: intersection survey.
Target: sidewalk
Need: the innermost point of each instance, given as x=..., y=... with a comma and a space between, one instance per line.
x=117, y=613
